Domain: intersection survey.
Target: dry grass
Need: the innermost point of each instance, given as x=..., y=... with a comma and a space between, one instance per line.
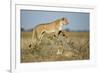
x=72, y=45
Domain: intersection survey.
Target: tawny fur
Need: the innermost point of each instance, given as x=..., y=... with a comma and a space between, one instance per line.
x=54, y=26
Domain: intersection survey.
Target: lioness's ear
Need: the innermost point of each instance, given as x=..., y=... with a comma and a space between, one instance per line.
x=63, y=18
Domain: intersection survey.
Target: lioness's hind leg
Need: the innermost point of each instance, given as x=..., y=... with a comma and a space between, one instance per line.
x=41, y=36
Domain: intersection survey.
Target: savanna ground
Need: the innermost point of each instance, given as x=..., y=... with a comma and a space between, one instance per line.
x=71, y=45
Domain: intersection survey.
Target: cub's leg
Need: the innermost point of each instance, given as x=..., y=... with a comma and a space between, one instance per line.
x=56, y=34
x=61, y=33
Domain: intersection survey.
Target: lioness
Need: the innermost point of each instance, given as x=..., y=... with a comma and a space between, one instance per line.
x=54, y=26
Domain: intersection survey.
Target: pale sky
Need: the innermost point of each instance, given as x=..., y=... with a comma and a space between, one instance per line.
x=78, y=21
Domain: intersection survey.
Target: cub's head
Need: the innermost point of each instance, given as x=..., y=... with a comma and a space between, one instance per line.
x=64, y=21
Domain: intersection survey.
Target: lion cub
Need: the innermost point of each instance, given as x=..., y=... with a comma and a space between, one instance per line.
x=54, y=26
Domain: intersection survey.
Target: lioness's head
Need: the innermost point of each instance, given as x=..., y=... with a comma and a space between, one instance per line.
x=64, y=21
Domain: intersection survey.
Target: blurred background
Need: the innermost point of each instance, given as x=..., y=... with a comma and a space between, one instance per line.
x=79, y=21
